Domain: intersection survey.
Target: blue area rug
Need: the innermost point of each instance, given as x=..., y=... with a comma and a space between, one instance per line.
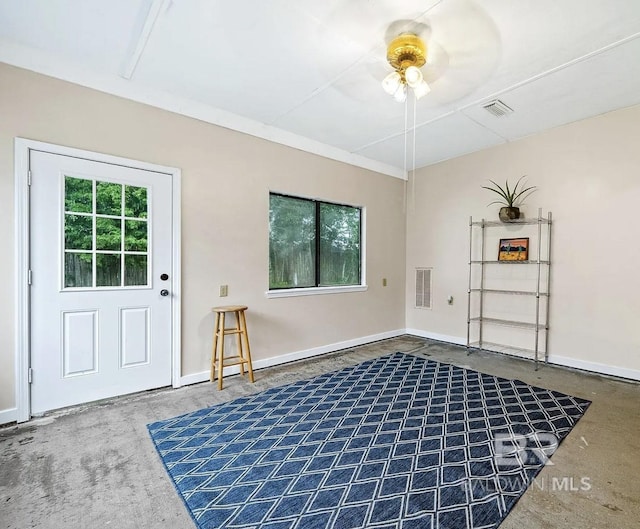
x=397, y=442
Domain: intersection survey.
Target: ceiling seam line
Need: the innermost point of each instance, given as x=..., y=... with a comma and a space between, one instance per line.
x=555, y=69
x=506, y=140
x=157, y=7
x=397, y=134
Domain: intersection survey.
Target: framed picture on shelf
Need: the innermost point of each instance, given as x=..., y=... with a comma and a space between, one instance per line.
x=514, y=249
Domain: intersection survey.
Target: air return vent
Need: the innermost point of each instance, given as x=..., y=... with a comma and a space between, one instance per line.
x=497, y=108
x=423, y=288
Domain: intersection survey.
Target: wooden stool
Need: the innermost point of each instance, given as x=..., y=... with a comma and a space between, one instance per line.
x=244, y=352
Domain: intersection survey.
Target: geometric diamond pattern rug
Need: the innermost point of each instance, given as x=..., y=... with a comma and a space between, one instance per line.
x=399, y=442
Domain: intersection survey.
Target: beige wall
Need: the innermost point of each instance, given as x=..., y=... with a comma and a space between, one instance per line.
x=587, y=174
x=226, y=178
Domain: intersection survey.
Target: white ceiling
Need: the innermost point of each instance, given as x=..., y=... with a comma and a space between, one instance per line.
x=307, y=73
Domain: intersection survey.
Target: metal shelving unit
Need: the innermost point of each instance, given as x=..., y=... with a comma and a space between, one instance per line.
x=477, y=319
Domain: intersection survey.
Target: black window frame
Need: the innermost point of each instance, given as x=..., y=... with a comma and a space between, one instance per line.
x=318, y=205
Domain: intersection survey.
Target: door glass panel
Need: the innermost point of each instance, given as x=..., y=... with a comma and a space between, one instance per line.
x=78, y=231
x=94, y=222
x=78, y=270
x=135, y=270
x=108, y=198
x=108, y=270
x=108, y=234
x=135, y=202
x=78, y=195
x=135, y=235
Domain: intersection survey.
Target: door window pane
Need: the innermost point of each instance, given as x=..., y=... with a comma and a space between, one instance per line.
x=108, y=270
x=108, y=198
x=339, y=245
x=94, y=222
x=78, y=195
x=135, y=235
x=78, y=270
x=135, y=202
x=292, y=249
x=135, y=270
x=78, y=232
x=108, y=234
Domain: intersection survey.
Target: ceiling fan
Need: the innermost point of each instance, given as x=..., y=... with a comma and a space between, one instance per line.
x=446, y=51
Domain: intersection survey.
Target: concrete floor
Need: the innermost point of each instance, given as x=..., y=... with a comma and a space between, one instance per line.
x=95, y=466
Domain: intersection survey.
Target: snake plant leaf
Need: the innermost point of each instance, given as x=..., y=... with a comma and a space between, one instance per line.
x=510, y=196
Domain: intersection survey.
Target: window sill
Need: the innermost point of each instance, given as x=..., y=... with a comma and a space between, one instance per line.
x=312, y=291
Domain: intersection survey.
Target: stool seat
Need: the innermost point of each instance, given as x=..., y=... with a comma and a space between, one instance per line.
x=229, y=308
x=218, y=360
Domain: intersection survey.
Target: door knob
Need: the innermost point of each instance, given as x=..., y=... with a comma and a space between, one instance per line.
x=164, y=292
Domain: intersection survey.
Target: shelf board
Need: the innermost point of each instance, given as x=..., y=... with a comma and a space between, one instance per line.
x=521, y=222
x=509, y=323
x=520, y=352
x=510, y=262
x=515, y=292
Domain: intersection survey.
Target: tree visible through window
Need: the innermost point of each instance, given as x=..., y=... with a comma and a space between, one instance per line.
x=105, y=234
x=313, y=243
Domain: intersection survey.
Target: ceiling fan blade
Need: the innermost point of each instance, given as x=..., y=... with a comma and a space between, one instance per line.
x=362, y=82
x=463, y=51
x=367, y=22
x=399, y=27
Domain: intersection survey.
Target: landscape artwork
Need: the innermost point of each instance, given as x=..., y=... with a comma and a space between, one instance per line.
x=514, y=249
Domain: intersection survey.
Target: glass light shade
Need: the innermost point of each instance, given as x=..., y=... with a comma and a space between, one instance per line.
x=400, y=94
x=413, y=75
x=421, y=90
x=391, y=83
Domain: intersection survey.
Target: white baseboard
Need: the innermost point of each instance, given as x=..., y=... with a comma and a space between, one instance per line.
x=7, y=416
x=595, y=367
x=565, y=361
x=435, y=336
x=195, y=378
x=203, y=376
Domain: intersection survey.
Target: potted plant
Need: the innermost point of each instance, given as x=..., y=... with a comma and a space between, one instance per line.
x=510, y=199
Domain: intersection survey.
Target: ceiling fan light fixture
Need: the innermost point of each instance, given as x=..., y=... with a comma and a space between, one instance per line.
x=413, y=76
x=391, y=83
x=406, y=54
x=400, y=94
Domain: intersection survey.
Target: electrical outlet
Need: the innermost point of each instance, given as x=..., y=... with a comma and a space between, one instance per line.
x=384, y=281
x=224, y=290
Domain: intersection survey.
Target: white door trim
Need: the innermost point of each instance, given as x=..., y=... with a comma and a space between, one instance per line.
x=22, y=257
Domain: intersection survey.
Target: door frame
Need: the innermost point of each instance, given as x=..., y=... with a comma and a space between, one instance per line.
x=22, y=151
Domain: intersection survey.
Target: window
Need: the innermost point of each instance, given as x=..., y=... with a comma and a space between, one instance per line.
x=105, y=234
x=313, y=244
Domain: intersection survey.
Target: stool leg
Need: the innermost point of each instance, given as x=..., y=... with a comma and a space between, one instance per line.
x=221, y=348
x=239, y=341
x=214, y=349
x=243, y=332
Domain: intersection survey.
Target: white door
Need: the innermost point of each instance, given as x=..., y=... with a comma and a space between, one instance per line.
x=101, y=299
